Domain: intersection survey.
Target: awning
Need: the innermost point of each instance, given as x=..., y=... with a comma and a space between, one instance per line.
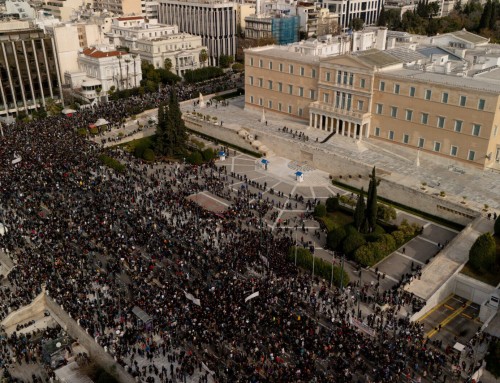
x=298, y=174
x=101, y=122
x=68, y=111
x=264, y=161
x=222, y=154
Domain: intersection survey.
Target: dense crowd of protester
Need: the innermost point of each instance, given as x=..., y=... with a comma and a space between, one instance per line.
x=104, y=243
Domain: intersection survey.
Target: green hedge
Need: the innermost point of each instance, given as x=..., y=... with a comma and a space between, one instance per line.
x=482, y=254
x=322, y=268
x=112, y=163
x=202, y=74
x=492, y=358
x=225, y=143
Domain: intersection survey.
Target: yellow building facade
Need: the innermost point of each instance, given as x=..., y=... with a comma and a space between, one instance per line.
x=373, y=95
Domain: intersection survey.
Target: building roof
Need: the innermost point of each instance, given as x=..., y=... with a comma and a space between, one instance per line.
x=376, y=58
x=438, y=78
x=281, y=51
x=470, y=37
x=96, y=53
x=129, y=18
x=433, y=50
x=406, y=55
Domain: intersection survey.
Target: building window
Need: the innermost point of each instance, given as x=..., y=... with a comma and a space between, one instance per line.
x=300, y=112
x=351, y=79
x=437, y=146
x=270, y=83
x=444, y=98
x=440, y=122
x=301, y=71
x=381, y=86
x=327, y=76
x=471, y=155
x=290, y=109
x=261, y=64
x=391, y=135
x=428, y=94
x=339, y=77
x=396, y=88
x=476, y=129
x=260, y=82
x=425, y=118
x=261, y=102
x=250, y=80
x=313, y=73
x=394, y=111
x=495, y=131
x=463, y=100
x=409, y=115
x=406, y=138
x=280, y=87
x=312, y=94
x=251, y=61
x=346, y=76
x=326, y=97
x=270, y=65
x=251, y=99
x=421, y=142
x=280, y=106
x=290, y=69
x=453, y=151
x=270, y=104
x=281, y=67
x=480, y=104
x=458, y=126
x=412, y=91
x=377, y=132
x=360, y=105
x=290, y=89
x=379, y=108
x=362, y=83
x=301, y=91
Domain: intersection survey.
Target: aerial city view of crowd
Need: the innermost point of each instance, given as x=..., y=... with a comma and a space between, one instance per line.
x=225, y=303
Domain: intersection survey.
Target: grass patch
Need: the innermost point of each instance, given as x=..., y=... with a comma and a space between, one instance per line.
x=140, y=142
x=112, y=163
x=226, y=96
x=408, y=209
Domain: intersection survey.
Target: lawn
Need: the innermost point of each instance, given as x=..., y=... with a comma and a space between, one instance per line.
x=492, y=277
x=336, y=219
x=145, y=142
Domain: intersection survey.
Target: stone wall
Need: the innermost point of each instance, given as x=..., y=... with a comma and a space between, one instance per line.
x=25, y=313
x=96, y=352
x=472, y=289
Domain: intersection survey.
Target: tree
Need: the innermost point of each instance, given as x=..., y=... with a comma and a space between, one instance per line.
x=332, y=204
x=162, y=135
x=484, y=22
x=497, y=226
x=335, y=237
x=386, y=213
x=319, y=210
x=356, y=24
x=382, y=19
x=371, y=202
x=168, y=64
x=225, y=61
x=482, y=254
x=203, y=56
x=176, y=126
x=359, y=211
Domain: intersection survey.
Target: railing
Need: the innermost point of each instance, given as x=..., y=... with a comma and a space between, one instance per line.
x=339, y=111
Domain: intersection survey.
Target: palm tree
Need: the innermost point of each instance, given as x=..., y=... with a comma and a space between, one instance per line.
x=203, y=56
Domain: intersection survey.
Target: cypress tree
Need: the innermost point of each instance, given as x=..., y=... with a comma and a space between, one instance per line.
x=486, y=16
x=161, y=131
x=178, y=128
x=382, y=18
x=371, y=202
x=359, y=212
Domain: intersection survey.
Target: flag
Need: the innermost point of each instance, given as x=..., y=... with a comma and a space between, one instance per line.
x=192, y=298
x=205, y=367
x=265, y=260
x=252, y=296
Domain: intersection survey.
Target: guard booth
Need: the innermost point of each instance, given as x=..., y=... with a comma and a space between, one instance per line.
x=264, y=163
x=222, y=156
x=299, y=176
x=143, y=319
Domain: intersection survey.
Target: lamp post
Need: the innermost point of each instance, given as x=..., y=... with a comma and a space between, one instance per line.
x=331, y=278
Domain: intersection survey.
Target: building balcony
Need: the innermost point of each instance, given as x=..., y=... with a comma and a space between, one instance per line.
x=330, y=109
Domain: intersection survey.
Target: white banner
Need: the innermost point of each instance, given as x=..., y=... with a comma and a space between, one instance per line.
x=252, y=296
x=192, y=298
x=363, y=327
x=16, y=160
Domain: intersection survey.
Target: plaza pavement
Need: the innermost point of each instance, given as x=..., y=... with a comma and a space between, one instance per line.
x=440, y=174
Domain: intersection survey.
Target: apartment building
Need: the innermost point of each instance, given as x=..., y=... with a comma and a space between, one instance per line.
x=213, y=20
x=347, y=10
x=29, y=70
x=427, y=98
x=120, y=7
